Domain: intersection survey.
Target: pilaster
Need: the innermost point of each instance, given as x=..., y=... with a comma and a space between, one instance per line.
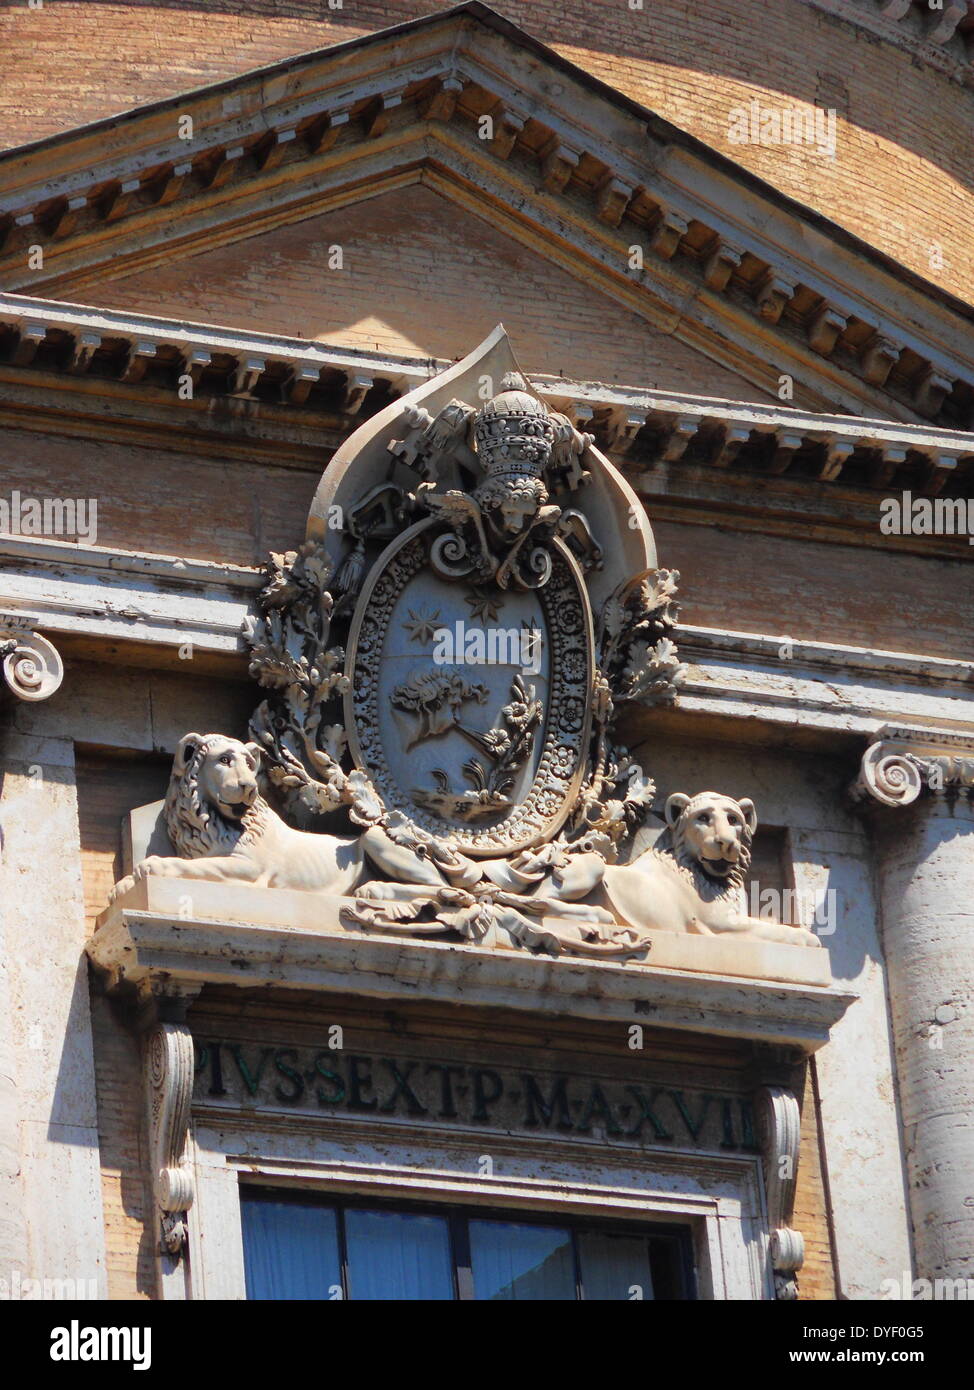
x=923, y=828
x=32, y=670
x=48, y=1120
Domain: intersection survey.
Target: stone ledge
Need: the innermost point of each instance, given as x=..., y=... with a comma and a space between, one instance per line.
x=675, y=427
x=142, y=941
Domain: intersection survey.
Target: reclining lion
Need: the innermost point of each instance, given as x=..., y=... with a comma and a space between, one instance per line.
x=696, y=882
x=691, y=881
x=222, y=829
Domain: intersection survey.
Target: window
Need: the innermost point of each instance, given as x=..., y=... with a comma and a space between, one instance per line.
x=297, y=1247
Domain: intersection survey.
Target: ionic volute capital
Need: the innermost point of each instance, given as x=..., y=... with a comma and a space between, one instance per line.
x=31, y=665
x=901, y=764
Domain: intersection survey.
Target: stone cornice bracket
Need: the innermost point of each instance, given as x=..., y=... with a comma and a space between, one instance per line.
x=168, y=1065
x=32, y=665
x=901, y=763
x=778, y=1123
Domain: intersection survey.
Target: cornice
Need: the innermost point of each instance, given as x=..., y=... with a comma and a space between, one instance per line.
x=340, y=124
x=939, y=36
x=302, y=397
x=137, y=949
x=106, y=596
x=906, y=666
x=131, y=607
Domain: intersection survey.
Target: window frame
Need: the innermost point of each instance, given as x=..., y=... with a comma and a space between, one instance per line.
x=679, y=1235
x=719, y=1196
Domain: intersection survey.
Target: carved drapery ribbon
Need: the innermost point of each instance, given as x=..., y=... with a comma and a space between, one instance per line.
x=169, y=1082
x=901, y=763
x=32, y=666
x=778, y=1122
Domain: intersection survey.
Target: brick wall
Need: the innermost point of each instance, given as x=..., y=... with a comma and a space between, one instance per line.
x=816, y=1279
x=107, y=788
x=165, y=503
x=176, y=504
x=842, y=594
x=423, y=278
x=901, y=178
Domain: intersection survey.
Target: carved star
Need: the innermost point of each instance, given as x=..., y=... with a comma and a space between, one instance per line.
x=421, y=626
x=484, y=606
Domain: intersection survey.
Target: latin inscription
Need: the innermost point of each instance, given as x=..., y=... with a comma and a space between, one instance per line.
x=330, y=1082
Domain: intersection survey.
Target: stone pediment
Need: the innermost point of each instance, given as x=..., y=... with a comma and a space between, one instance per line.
x=470, y=106
x=314, y=280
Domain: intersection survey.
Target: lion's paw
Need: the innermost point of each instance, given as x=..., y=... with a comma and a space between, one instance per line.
x=121, y=888
x=155, y=865
x=376, y=891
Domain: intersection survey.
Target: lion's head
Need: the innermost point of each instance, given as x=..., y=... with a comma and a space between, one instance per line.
x=712, y=832
x=212, y=788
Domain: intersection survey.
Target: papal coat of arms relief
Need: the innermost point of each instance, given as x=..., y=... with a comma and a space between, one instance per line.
x=443, y=660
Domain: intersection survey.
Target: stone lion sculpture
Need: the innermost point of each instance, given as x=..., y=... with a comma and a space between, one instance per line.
x=694, y=880
x=222, y=829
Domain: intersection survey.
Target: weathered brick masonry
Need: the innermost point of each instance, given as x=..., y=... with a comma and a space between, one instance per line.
x=423, y=278
x=444, y=279
x=901, y=177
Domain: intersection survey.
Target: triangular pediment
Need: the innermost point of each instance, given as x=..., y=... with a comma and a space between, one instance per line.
x=467, y=107
x=446, y=276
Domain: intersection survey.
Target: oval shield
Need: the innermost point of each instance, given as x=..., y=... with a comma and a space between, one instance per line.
x=469, y=705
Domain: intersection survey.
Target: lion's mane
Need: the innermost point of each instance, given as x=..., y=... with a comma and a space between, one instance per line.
x=673, y=848
x=196, y=827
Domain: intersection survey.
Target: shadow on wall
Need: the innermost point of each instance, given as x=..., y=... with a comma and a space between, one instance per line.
x=143, y=62
x=447, y=277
